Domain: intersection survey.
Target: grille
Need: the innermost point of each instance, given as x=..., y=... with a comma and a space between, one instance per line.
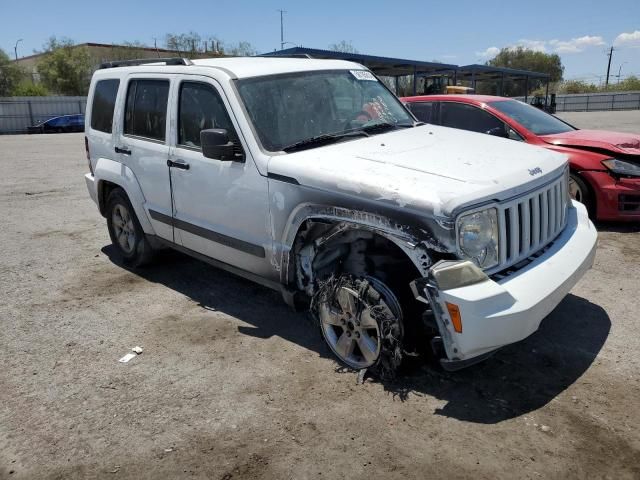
x=528, y=223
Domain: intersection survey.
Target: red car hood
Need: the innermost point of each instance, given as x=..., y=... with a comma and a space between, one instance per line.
x=616, y=142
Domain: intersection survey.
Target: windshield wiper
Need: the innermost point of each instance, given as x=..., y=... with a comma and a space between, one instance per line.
x=325, y=139
x=383, y=127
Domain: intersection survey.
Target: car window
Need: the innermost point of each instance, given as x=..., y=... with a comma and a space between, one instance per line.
x=422, y=110
x=468, y=117
x=200, y=108
x=533, y=119
x=146, y=109
x=104, y=102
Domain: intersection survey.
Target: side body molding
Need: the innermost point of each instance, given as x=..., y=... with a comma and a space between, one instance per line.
x=107, y=170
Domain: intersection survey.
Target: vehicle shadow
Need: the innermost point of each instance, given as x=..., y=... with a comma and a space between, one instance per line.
x=522, y=377
x=217, y=290
x=518, y=379
x=618, y=227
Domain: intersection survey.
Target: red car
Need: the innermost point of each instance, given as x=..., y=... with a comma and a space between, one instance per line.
x=605, y=166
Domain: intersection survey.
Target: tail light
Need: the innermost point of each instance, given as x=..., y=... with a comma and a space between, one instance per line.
x=86, y=148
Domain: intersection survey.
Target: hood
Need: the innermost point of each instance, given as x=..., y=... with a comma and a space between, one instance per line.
x=615, y=142
x=430, y=169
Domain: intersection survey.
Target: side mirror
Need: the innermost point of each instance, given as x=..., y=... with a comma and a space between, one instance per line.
x=216, y=144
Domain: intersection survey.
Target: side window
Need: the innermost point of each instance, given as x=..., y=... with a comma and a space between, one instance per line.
x=200, y=108
x=469, y=117
x=422, y=110
x=146, y=109
x=104, y=102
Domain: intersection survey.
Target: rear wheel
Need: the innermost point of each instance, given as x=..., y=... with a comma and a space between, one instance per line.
x=125, y=230
x=361, y=321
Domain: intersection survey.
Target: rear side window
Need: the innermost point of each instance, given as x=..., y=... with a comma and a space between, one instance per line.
x=146, y=109
x=468, y=117
x=104, y=102
x=200, y=108
x=422, y=110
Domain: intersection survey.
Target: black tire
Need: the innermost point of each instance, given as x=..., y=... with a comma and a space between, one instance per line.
x=125, y=231
x=584, y=193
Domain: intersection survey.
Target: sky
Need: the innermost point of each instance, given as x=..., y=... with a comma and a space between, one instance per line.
x=459, y=32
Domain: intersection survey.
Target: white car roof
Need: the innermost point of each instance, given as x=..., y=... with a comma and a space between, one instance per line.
x=243, y=67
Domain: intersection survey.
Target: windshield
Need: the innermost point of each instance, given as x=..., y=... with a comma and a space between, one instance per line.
x=291, y=109
x=533, y=119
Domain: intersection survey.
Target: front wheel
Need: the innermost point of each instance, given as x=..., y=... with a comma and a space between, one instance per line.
x=361, y=321
x=125, y=230
x=579, y=191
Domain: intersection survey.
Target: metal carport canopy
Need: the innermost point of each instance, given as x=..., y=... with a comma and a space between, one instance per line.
x=487, y=72
x=384, y=66
x=478, y=72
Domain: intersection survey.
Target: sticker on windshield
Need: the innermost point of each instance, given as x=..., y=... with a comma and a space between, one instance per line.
x=363, y=75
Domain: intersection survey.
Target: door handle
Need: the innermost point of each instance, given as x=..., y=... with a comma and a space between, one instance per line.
x=124, y=150
x=178, y=164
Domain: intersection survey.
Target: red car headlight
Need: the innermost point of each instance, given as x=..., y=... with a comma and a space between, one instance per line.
x=622, y=168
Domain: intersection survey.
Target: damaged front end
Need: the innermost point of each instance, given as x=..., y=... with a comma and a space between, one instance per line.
x=356, y=278
x=443, y=276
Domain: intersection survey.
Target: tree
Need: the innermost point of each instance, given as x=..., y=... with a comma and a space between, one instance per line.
x=630, y=83
x=524, y=59
x=343, y=46
x=195, y=45
x=184, y=42
x=65, y=68
x=29, y=89
x=10, y=75
x=241, y=49
x=577, y=86
x=520, y=58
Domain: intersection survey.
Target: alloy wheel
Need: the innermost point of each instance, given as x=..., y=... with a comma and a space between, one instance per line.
x=123, y=228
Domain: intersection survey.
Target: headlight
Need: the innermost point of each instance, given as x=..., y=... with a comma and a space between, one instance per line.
x=478, y=237
x=620, y=167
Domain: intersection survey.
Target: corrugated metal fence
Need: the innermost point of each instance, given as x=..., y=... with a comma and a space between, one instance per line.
x=18, y=113
x=591, y=102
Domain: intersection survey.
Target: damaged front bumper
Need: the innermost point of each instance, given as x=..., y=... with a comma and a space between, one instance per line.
x=477, y=315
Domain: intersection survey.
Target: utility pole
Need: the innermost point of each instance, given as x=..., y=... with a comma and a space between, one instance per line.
x=282, y=12
x=610, y=54
x=15, y=49
x=620, y=70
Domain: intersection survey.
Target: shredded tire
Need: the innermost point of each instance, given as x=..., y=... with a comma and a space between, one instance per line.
x=384, y=309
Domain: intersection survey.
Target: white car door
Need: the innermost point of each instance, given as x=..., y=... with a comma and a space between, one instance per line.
x=220, y=207
x=142, y=144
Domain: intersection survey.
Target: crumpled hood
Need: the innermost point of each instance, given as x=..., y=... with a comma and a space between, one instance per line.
x=429, y=168
x=615, y=142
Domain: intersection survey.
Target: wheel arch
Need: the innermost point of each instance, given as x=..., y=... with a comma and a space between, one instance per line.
x=310, y=223
x=110, y=174
x=592, y=191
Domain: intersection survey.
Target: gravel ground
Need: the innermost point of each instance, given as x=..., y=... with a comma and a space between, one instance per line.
x=622, y=121
x=232, y=384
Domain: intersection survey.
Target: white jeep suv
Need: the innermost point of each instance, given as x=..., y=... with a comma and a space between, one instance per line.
x=311, y=177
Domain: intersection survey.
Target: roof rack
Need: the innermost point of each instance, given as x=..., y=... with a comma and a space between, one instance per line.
x=143, y=61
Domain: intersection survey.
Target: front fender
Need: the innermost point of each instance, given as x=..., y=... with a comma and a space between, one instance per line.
x=107, y=170
x=400, y=235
